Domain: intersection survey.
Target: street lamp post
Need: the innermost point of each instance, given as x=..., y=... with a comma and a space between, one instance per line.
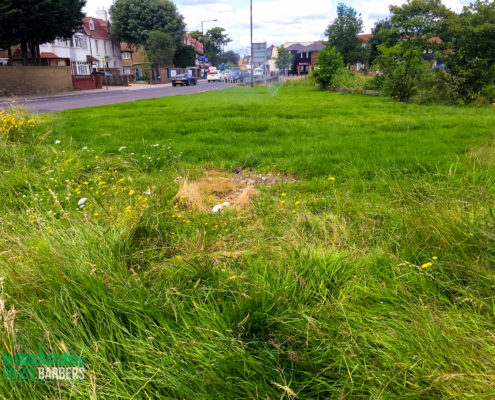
x=252, y=64
x=209, y=20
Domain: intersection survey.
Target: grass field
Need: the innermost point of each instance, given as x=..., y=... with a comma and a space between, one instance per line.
x=369, y=272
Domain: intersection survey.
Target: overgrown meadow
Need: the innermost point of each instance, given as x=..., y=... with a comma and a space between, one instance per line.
x=368, y=274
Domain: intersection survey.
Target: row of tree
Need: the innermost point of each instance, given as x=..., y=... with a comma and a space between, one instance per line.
x=421, y=47
x=156, y=25
x=29, y=23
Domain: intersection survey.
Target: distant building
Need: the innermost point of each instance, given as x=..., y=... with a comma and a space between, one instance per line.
x=198, y=47
x=104, y=49
x=305, y=56
x=90, y=47
x=271, y=60
x=133, y=58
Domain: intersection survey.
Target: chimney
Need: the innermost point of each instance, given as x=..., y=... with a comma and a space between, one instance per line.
x=101, y=13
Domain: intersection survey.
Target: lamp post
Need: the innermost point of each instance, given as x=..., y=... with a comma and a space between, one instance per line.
x=252, y=64
x=209, y=20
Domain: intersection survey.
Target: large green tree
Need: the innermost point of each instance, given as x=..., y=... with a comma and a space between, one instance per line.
x=229, y=57
x=132, y=20
x=342, y=34
x=185, y=56
x=31, y=23
x=416, y=22
x=472, y=56
x=213, y=41
x=413, y=30
x=284, y=59
x=330, y=61
x=160, y=47
x=380, y=35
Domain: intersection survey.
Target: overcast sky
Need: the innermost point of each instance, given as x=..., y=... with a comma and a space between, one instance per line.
x=275, y=21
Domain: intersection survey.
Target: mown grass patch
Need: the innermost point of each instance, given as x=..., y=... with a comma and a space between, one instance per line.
x=369, y=276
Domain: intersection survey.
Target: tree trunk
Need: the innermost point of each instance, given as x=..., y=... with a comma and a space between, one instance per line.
x=38, y=55
x=24, y=52
x=32, y=49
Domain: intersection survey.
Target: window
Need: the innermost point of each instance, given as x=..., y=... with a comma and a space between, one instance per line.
x=96, y=46
x=126, y=55
x=91, y=25
x=80, y=42
x=81, y=68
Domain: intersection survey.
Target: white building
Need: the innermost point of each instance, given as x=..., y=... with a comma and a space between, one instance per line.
x=102, y=46
x=72, y=52
x=87, y=49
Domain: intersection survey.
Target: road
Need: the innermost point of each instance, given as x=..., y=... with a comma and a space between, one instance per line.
x=80, y=99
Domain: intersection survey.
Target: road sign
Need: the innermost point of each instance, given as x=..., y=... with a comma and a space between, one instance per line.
x=203, y=59
x=259, y=52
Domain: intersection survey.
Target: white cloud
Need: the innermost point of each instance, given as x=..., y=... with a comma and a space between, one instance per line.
x=275, y=21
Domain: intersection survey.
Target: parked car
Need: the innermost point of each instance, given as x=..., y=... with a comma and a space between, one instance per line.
x=258, y=72
x=234, y=75
x=213, y=75
x=184, y=79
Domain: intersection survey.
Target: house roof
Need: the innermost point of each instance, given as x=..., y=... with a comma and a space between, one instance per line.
x=190, y=41
x=101, y=26
x=435, y=39
x=90, y=58
x=126, y=47
x=365, y=36
x=48, y=55
x=302, y=47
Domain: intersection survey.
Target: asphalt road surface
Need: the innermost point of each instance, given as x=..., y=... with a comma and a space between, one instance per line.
x=80, y=99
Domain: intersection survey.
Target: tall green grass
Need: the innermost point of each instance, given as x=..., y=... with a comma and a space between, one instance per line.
x=322, y=289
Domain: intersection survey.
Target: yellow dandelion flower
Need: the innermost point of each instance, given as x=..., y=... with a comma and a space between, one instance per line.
x=178, y=257
x=131, y=192
x=293, y=211
x=426, y=265
x=282, y=202
x=331, y=178
x=95, y=214
x=434, y=258
x=297, y=203
x=283, y=195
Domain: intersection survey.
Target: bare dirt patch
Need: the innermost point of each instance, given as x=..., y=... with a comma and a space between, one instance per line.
x=236, y=187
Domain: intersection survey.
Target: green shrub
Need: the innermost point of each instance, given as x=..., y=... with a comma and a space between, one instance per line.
x=403, y=69
x=349, y=80
x=489, y=93
x=330, y=61
x=306, y=81
x=374, y=83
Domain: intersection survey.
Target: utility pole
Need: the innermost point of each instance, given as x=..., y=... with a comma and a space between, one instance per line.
x=252, y=64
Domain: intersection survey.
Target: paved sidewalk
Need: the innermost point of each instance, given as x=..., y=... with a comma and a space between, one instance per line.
x=133, y=86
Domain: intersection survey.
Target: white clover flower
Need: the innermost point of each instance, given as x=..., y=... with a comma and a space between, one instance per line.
x=85, y=148
x=82, y=202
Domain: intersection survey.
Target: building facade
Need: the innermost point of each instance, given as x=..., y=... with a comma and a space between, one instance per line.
x=305, y=56
x=103, y=48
